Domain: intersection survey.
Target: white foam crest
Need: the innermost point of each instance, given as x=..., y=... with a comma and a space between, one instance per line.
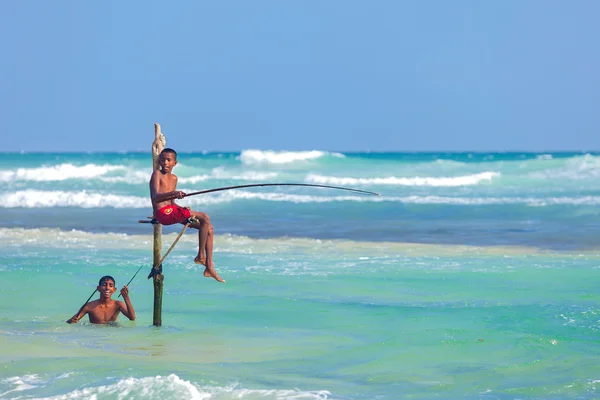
x=20, y=384
x=465, y=180
x=575, y=168
x=85, y=199
x=159, y=387
x=55, y=198
x=234, y=195
x=529, y=201
x=56, y=238
x=193, y=179
x=131, y=177
x=59, y=172
x=250, y=157
x=450, y=163
x=279, y=394
x=222, y=173
x=303, y=199
x=227, y=243
x=173, y=387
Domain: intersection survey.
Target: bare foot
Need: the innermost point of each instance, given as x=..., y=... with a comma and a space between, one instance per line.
x=202, y=261
x=211, y=273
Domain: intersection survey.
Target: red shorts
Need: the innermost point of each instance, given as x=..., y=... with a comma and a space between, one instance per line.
x=172, y=214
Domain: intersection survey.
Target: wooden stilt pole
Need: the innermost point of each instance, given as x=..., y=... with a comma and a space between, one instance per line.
x=157, y=146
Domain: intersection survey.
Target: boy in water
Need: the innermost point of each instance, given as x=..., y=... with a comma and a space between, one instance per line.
x=163, y=192
x=105, y=309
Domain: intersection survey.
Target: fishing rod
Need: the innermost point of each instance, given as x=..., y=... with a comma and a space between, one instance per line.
x=84, y=304
x=136, y=272
x=239, y=187
x=279, y=184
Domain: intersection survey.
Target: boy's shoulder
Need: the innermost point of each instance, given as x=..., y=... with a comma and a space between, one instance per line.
x=163, y=175
x=93, y=303
x=109, y=302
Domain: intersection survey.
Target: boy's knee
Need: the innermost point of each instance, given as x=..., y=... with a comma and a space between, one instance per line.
x=203, y=218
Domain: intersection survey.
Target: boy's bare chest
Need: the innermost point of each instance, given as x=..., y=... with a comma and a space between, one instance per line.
x=103, y=312
x=168, y=183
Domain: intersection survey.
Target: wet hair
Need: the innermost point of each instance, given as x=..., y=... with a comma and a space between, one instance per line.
x=169, y=150
x=106, y=278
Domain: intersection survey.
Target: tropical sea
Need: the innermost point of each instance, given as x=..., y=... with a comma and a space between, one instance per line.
x=470, y=276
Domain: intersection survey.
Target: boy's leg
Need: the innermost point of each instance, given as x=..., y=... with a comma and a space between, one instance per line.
x=208, y=249
x=203, y=227
x=205, y=243
x=210, y=272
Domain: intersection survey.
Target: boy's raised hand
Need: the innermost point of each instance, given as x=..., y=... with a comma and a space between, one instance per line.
x=125, y=291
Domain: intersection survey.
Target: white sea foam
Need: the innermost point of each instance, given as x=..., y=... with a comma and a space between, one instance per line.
x=576, y=168
x=529, y=201
x=59, y=172
x=131, y=177
x=449, y=163
x=57, y=198
x=57, y=238
x=88, y=199
x=192, y=179
x=173, y=387
x=251, y=157
x=118, y=174
x=227, y=243
x=465, y=180
x=20, y=383
x=222, y=173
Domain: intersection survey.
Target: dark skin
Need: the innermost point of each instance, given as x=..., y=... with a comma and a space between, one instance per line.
x=105, y=309
x=163, y=192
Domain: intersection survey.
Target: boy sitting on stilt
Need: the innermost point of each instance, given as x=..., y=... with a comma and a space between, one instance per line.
x=163, y=192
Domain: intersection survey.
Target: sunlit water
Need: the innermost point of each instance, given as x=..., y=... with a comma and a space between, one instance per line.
x=455, y=285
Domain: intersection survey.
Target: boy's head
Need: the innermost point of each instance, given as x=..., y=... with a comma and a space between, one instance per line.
x=106, y=286
x=169, y=150
x=106, y=278
x=167, y=159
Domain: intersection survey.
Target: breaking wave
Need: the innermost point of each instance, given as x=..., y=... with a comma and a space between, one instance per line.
x=88, y=199
x=118, y=174
x=60, y=172
x=465, y=180
x=162, y=387
x=251, y=157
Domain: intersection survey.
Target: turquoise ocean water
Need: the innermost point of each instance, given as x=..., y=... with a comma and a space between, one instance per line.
x=471, y=276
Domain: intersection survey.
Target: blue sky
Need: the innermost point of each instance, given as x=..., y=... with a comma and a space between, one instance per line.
x=300, y=75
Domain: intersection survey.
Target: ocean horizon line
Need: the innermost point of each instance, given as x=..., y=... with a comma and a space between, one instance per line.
x=139, y=151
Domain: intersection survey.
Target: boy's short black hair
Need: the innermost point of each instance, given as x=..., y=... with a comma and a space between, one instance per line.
x=106, y=278
x=169, y=150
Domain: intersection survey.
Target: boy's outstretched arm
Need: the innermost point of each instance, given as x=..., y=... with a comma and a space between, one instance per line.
x=127, y=308
x=75, y=318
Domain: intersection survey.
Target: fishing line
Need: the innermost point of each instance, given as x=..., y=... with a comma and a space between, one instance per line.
x=87, y=301
x=136, y=272
x=190, y=220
